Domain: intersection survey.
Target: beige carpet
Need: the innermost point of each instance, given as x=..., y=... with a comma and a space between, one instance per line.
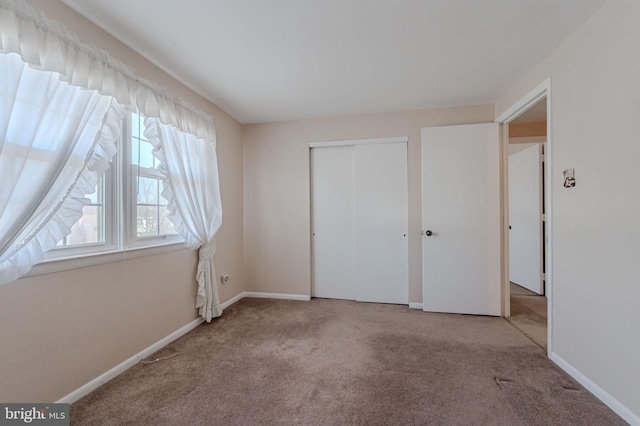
x=529, y=314
x=329, y=362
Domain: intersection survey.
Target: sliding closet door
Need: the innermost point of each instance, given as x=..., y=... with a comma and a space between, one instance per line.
x=360, y=222
x=382, y=251
x=333, y=210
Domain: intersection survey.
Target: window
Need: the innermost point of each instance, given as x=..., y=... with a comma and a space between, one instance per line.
x=96, y=231
x=49, y=112
x=127, y=210
x=151, y=214
x=90, y=228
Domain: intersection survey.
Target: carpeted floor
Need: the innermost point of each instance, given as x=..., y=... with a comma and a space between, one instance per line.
x=331, y=362
x=517, y=290
x=529, y=314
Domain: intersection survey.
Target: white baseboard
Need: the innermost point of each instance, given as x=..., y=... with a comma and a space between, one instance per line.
x=259, y=295
x=302, y=297
x=125, y=365
x=415, y=305
x=601, y=394
x=233, y=300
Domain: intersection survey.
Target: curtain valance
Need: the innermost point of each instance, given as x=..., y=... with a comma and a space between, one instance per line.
x=47, y=45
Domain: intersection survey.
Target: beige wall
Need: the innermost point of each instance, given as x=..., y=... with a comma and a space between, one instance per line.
x=525, y=130
x=59, y=331
x=595, y=105
x=276, y=192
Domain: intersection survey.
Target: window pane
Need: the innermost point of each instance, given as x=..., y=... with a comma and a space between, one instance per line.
x=144, y=155
x=137, y=126
x=147, y=221
x=98, y=196
x=152, y=215
x=166, y=227
x=147, y=190
x=87, y=230
x=90, y=228
x=143, y=128
x=93, y=197
x=135, y=147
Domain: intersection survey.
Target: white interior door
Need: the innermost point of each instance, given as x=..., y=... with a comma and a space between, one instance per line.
x=381, y=249
x=461, y=211
x=525, y=213
x=333, y=207
x=360, y=222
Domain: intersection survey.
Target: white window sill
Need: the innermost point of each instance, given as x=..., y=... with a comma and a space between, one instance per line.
x=51, y=266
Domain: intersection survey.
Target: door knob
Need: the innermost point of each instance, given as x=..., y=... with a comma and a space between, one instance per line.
x=428, y=233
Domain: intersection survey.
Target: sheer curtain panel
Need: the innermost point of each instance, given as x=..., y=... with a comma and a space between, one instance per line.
x=48, y=45
x=189, y=166
x=56, y=140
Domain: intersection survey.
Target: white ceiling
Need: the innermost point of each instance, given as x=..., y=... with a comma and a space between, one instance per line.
x=273, y=60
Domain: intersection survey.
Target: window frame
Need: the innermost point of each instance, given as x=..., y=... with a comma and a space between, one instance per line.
x=120, y=222
x=132, y=239
x=111, y=240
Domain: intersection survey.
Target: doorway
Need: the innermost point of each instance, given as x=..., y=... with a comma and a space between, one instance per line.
x=527, y=302
x=526, y=182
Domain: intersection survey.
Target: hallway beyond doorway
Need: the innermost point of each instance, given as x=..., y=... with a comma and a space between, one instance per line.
x=529, y=314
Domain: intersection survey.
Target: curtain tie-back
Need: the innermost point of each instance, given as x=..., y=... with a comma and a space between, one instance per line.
x=208, y=250
x=206, y=300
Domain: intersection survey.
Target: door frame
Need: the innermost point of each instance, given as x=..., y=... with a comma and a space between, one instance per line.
x=541, y=91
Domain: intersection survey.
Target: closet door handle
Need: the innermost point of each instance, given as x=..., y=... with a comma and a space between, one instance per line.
x=428, y=233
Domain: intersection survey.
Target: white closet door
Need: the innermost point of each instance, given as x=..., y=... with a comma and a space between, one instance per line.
x=360, y=222
x=333, y=209
x=525, y=210
x=381, y=254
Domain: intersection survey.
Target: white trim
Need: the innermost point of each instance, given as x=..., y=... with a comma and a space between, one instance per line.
x=125, y=365
x=548, y=238
x=50, y=266
x=525, y=103
x=233, y=300
x=619, y=408
x=402, y=139
x=416, y=305
x=528, y=139
x=542, y=90
x=302, y=297
x=504, y=221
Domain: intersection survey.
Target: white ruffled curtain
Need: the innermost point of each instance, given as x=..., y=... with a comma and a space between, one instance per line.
x=49, y=162
x=48, y=45
x=56, y=141
x=190, y=169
